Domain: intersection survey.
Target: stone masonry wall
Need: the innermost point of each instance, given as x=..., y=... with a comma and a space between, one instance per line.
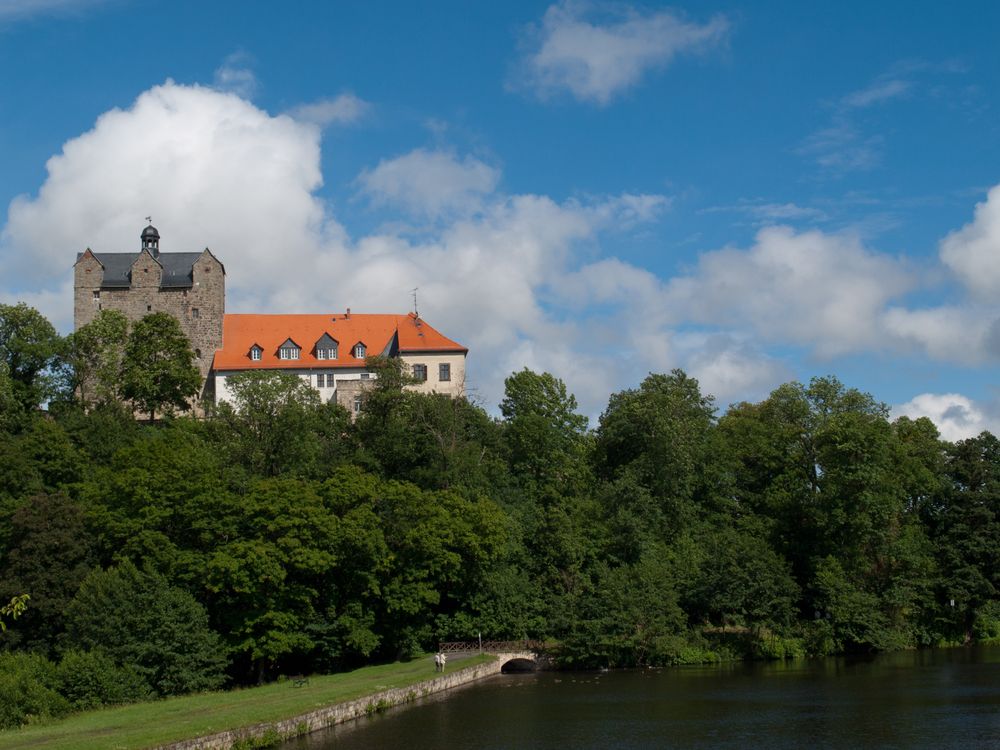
x=348, y=711
x=199, y=309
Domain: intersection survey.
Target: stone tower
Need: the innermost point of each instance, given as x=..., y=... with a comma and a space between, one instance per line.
x=189, y=286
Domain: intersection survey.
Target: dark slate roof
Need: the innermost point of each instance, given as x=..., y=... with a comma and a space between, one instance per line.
x=326, y=341
x=117, y=266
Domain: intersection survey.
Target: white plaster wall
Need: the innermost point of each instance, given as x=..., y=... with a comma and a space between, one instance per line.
x=326, y=393
x=453, y=387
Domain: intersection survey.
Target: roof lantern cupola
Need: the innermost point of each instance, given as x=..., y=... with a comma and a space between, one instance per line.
x=151, y=240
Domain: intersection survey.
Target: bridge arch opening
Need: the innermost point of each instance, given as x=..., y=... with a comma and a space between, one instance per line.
x=519, y=665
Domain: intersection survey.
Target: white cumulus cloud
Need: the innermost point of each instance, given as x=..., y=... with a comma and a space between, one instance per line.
x=213, y=169
x=973, y=252
x=823, y=290
x=520, y=279
x=596, y=51
x=957, y=417
x=344, y=109
x=430, y=183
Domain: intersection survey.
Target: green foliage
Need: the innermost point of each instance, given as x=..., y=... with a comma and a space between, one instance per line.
x=630, y=618
x=280, y=537
x=94, y=355
x=986, y=626
x=142, y=621
x=13, y=609
x=10, y=408
x=270, y=422
x=741, y=581
x=965, y=524
x=28, y=692
x=659, y=436
x=29, y=346
x=92, y=679
x=51, y=554
x=158, y=372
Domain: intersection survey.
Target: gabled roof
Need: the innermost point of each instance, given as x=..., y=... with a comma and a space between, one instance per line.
x=382, y=334
x=326, y=341
x=177, y=268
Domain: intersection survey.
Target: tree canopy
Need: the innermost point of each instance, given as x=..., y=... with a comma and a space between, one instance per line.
x=281, y=536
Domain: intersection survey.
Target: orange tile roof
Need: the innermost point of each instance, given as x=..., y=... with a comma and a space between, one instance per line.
x=240, y=332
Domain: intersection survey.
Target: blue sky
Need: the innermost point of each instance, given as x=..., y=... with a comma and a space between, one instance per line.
x=755, y=192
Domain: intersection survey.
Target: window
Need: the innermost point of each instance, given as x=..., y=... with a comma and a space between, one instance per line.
x=320, y=380
x=255, y=353
x=197, y=353
x=195, y=313
x=357, y=404
x=359, y=351
x=366, y=375
x=420, y=372
x=97, y=296
x=444, y=372
x=326, y=347
x=289, y=350
x=149, y=308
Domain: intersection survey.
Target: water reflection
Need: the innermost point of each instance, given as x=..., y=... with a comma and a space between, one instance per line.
x=940, y=699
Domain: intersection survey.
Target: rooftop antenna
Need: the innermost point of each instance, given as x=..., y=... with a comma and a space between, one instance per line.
x=414, y=293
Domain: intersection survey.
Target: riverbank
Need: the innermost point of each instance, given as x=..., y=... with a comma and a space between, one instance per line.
x=253, y=715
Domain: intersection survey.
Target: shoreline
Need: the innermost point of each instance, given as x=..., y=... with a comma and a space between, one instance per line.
x=269, y=733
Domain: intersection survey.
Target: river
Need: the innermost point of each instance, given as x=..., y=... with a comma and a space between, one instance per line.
x=947, y=698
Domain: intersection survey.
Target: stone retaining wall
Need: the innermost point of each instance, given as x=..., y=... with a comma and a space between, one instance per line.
x=342, y=712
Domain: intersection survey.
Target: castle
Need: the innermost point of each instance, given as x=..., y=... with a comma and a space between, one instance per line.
x=328, y=351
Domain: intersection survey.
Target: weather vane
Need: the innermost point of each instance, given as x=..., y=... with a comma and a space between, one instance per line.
x=149, y=219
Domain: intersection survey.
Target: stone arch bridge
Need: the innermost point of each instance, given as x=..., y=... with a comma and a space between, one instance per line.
x=513, y=656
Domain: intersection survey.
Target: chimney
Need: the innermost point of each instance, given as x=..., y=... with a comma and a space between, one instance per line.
x=348, y=316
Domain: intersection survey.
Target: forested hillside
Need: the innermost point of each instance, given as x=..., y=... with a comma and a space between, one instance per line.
x=278, y=537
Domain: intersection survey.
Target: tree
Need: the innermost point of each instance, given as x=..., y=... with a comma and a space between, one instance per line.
x=543, y=432
x=966, y=527
x=270, y=420
x=143, y=622
x=51, y=554
x=28, y=348
x=659, y=436
x=94, y=354
x=158, y=372
x=11, y=413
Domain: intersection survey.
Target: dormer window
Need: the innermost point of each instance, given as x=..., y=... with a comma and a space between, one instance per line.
x=326, y=347
x=255, y=353
x=359, y=351
x=289, y=350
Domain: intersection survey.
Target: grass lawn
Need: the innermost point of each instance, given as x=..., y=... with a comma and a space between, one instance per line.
x=144, y=725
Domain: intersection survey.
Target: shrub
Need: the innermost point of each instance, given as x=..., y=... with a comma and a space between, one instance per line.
x=142, y=621
x=28, y=690
x=91, y=679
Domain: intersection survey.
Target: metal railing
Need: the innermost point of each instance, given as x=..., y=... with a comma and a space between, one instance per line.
x=489, y=647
